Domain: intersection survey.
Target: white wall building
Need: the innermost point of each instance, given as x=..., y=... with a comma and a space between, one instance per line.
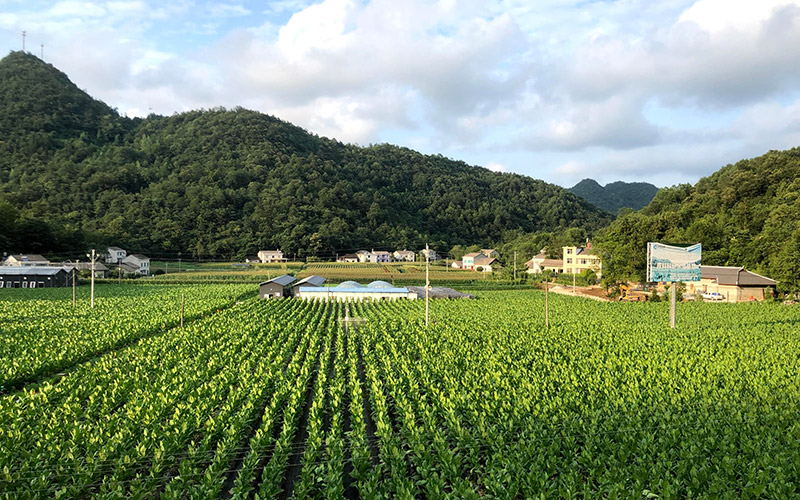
x=270, y=256
x=404, y=255
x=380, y=256
x=115, y=255
x=139, y=263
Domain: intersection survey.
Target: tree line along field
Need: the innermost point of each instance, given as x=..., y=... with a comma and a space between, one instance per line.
x=282, y=399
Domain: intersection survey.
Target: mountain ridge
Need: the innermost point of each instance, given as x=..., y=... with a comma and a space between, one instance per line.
x=225, y=183
x=616, y=195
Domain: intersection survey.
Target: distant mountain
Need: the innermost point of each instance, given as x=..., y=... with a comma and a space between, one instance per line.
x=745, y=214
x=616, y=195
x=225, y=183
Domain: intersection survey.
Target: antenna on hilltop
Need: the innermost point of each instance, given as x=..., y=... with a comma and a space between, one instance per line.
x=42, y=58
x=23, y=39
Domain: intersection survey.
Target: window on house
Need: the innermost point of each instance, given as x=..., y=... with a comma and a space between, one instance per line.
x=569, y=261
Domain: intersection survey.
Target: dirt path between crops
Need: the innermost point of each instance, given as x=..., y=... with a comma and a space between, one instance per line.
x=594, y=293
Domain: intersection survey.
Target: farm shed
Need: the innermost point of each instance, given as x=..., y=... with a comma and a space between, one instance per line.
x=310, y=281
x=350, y=290
x=33, y=277
x=736, y=284
x=276, y=287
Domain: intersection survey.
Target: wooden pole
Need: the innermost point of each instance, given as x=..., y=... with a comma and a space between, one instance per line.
x=547, y=301
x=183, y=302
x=515, y=266
x=673, y=300
x=93, y=258
x=427, y=283
x=573, y=283
x=74, y=302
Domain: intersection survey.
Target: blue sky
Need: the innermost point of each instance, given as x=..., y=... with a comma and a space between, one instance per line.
x=664, y=92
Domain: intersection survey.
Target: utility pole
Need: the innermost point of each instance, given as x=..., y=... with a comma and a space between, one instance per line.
x=515, y=266
x=573, y=283
x=94, y=258
x=23, y=40
x=673, y=299
x=74, y=269
x=427, y=283
x=547, y=300
x=119, y=275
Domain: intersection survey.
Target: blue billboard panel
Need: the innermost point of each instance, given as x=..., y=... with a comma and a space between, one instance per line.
x=670, y=263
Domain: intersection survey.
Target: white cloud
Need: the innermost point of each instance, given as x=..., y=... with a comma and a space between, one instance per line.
x=744, y=16
x=496, y=167
x=555, y=89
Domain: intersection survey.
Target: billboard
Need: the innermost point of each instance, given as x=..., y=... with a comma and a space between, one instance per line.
x=670, y=263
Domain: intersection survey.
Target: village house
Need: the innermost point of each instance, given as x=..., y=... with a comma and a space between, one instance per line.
x=363, y=255
x=457, y=264
x=252, y=259
x=100, y=269
x=490, y=252
x=540, y=263
x=468, y=260
x=115, y=255
x=30, y=259
x=136, y=263
x=577, y=260
x=380, y=256
x=404, y=255
x=266, y=256
x=484, y=263
x=735, y=284
x=348, y=257
x=433, y=255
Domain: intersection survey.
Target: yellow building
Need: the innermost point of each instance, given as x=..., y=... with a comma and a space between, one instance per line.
x=577, y=260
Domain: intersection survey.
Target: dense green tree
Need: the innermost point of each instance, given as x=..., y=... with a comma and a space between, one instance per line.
x=745, y=214
x=220, y=183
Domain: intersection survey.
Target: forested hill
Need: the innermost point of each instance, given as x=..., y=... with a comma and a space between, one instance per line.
x=225, y=183
x=616, y=195
x=745, y=214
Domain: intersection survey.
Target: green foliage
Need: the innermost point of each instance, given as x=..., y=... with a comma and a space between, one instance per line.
x=616, y=196
x=280, y=398
x=744, y=215
x=223, y=184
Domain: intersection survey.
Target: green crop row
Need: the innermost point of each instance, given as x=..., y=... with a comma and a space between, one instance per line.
x=286, y=399
x=46, y=333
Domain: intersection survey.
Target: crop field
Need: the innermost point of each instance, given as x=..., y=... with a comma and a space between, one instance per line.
x=403, y=273
x=406, y=272
x=283, y=399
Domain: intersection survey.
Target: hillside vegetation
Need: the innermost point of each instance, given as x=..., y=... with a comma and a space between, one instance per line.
x=745, y=214
x=616, y=195
x=222, y=183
